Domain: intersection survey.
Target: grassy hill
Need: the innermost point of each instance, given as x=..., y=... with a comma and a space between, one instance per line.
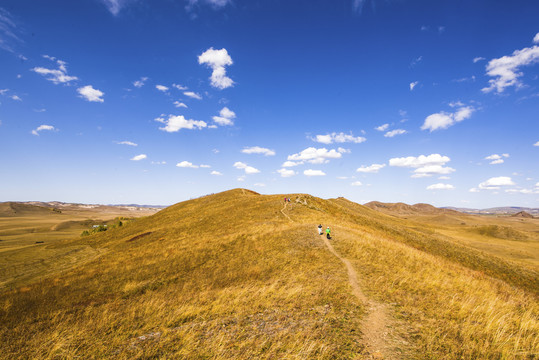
x=242, y=275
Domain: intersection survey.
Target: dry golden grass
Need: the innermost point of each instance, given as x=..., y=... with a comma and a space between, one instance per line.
x=229, y=276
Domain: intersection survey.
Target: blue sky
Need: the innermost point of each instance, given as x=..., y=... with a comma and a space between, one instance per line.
x=155, y=102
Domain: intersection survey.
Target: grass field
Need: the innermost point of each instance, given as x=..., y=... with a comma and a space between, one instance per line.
x=241, y=275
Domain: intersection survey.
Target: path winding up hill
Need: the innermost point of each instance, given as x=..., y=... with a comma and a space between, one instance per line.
x=238, y=275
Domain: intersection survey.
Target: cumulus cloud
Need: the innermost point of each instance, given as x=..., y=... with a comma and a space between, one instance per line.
x=130, y=143
x=356, y=183
x=382, y=127
x=175, y=123
x=187, y=164
x=179, y=87
x=248, y=169
x=225, y=117
x=496, y=159
x=395, y=132
x=90, y=94
x=374, y=168
x=413, y=85
x=162, y=88
x=440, y=186
x=43, y=128
x=216, y=173
x=286, y=172
x=192, y=95
x=536, y=144
x=505, y=71
x=291, y=163
x=179, y=104
x=57, y=76
x=338, y=138
x=425, y=166
x=315, y=156
x=311, y=172
x=140, y=83
x=139, y=157
x=258, y=150
x=443, y=120
x=217, y=60
x=343, y=150
x=496, y=182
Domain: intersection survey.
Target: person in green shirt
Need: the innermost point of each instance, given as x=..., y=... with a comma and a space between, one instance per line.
x=328, y=232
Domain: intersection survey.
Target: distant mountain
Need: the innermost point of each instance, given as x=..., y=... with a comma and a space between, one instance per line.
x=405, y=209
x=506, y=210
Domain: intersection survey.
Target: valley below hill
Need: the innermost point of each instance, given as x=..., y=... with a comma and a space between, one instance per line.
x=239, y=275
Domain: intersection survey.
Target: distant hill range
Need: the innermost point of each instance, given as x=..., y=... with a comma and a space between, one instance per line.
x=426, y=209
x=13, y=208
x=405, y=209
x=506, y=210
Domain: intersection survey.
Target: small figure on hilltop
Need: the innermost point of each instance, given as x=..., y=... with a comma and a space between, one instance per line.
x=320, y=229
x=328, y=232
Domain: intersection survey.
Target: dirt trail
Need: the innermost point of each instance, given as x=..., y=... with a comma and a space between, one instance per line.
x=377, y=327
x=282, y=211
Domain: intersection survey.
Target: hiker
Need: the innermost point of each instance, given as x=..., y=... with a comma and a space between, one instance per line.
x=328, y=232
x=320, y=229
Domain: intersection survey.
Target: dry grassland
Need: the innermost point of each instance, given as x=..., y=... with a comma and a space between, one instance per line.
x=229, y=276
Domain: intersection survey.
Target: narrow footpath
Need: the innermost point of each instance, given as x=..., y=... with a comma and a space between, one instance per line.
x=377, y=326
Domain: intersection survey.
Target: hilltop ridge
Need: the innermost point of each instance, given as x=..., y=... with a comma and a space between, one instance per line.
x=242, y=275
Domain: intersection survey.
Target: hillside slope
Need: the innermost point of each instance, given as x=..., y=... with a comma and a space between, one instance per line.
x=242, y=275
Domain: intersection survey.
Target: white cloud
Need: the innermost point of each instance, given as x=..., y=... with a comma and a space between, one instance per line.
x=311, y=172
x=225, y=117
x=41, y=128
x=496, y=159
x=140, y=83
x=536, y=144
x=291, y=163
x=520, y=191
x=338, y=138
x=382, y=127
x=15, y=97
x=217, y=60
x=162, y=88
x=177, y=122
x=440, y=186
x=495, y=183
x=179, y=87
x=259, y=184
x=286, y=172
x=356, y=183
x=477, y=59
x=248, y=169
x=159, y=162
x=425, y=166
x=216, y=4
x=315, y=156
x=536, y=39
x=130, y=143
x=216, y=173
x=416, y=61
x=204, y=166
x=444, y=178
x=193, y=95
x=139, y=157
x=57, y=76
x=506, y=70
x=413, y=85
x=187, y=164
x=114, y=6
x=241, y=178
x=258, y=150
x=343, y=150
x=179, y=104
x=420, y=161
x=395, y=132
x=374, y=168
x=443, y=120
x=90, y=94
